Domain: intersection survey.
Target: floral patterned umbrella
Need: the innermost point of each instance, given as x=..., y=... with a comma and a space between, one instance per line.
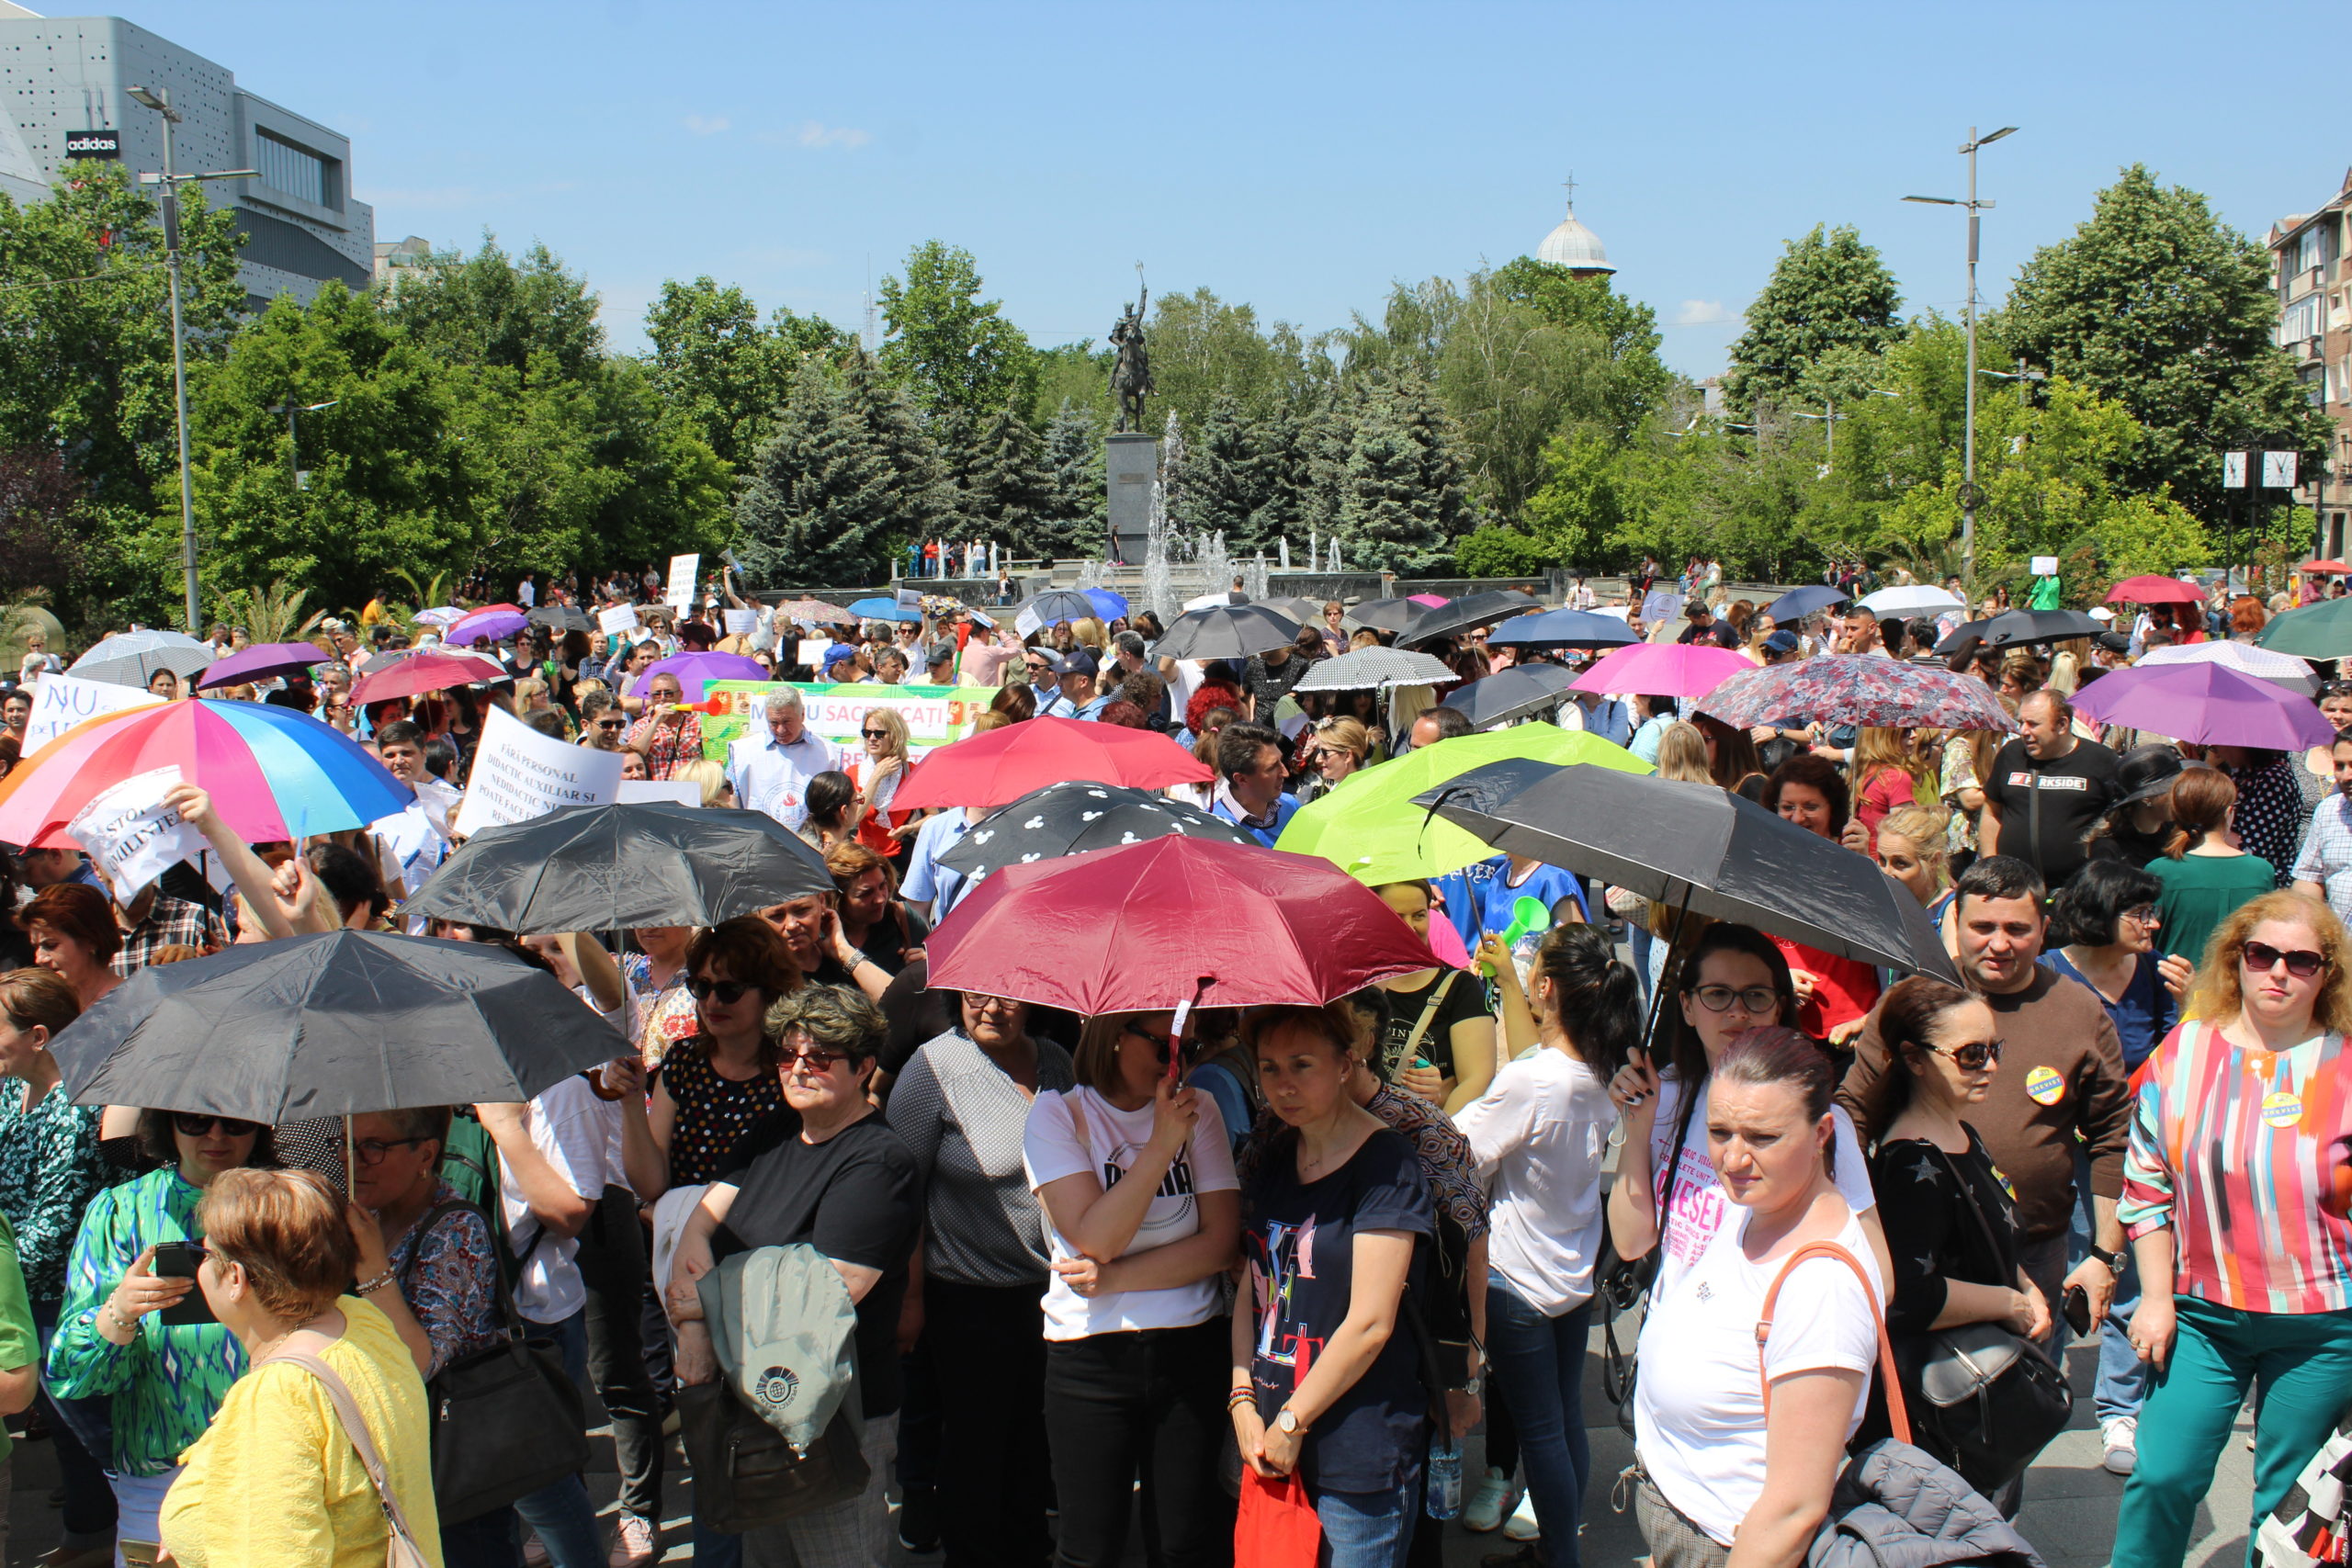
x=1860, y=688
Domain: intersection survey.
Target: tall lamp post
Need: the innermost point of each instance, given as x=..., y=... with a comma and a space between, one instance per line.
x=290, y=407
x=1969, y=495
x=171, y=180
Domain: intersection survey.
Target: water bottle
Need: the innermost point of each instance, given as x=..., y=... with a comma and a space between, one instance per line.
x=1445, y=1480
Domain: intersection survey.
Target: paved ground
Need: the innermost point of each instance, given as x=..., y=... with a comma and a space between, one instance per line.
x=2069, y=1511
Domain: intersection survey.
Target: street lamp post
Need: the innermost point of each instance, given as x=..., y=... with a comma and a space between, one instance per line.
x=1969, y=496
x=171, y=180
x=290, y=407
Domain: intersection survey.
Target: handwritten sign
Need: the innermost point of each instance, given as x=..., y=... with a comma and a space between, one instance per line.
x=934, y=714
x=617, y=620
x=683, y=571
x=520, y=774
x=61, y=702
x=131, y=835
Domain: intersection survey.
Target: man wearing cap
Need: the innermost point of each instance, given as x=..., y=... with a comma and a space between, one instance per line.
x=839, y=655
x=2139, y=825
x=939, y=664
x=1045, y=668
x=1078, y=670
x=772, y=774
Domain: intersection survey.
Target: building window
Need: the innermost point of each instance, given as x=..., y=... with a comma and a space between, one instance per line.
x=2307, y=248
x=2296, y=322
x=295, y=170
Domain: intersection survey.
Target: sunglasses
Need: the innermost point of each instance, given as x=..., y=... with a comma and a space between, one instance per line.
x=729, y=992
x=1754, y=1000
x=1163, y=1046
x=196, y=1126
x=815, y=1058
x=875, y=734
x=612, y=724
x=1974, y=1056
x=2260, y=958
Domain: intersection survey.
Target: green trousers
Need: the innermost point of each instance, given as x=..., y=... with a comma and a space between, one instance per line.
x=2301, y=1366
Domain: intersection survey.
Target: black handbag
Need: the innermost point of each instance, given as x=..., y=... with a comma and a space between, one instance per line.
x=747, y=1476
x=506, y=1420
x=1983, y=1399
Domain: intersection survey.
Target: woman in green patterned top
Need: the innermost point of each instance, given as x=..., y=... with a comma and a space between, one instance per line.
x=162, y=1382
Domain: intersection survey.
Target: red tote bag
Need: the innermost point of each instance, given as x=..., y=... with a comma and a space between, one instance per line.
x=1276, y=1527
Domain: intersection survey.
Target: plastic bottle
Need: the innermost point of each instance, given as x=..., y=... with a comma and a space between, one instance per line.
x=1445, y=1480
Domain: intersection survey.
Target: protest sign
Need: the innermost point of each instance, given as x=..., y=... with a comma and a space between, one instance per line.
x=660, y=792
x=1659, y=607
x=683, y=571
x=131, y=835
x=61, y=702
x=743, y=622
x=934, y=714
x=811, y=652
x=620, y=618
x=2043, y=566
x=520, y=774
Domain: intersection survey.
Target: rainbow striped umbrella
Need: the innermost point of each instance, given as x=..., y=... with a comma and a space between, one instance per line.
x=273, y=772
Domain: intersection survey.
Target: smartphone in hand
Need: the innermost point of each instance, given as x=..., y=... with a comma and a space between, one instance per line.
x=178, y=1260
x=2078, y=1309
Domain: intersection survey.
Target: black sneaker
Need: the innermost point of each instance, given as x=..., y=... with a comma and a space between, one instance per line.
x=919, y=1520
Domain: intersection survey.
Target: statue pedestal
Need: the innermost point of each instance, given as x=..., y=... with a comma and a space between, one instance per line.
x=1131, y=466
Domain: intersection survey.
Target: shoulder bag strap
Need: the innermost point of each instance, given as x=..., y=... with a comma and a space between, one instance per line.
x=1422, y=1025
x=1897, y=1417
x=1968, y=1194
x=354, y=1428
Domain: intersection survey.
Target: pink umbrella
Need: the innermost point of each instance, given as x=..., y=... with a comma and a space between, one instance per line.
x=1428, y=600
x=2153, y=590
x=1663, y=669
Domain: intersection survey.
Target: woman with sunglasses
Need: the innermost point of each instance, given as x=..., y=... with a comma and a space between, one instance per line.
x=826, y=1171
x=1950, y=1224
x=1135, y=1330
x=2245, y=1252
x=962, y=1105
x=877, y=775
x=715, y=1083
x=161, y=1381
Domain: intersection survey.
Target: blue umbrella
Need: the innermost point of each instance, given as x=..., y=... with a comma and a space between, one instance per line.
x=1799, y=603
x=1057, y=604
x=882, y=609
x=1110, y=605
x=1561, y=629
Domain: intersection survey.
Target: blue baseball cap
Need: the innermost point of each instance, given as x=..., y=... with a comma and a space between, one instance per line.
x=838, y=652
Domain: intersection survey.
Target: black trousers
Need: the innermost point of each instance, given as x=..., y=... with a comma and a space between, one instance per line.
x=1149, y=1403
x=988, y=1345
x=614, y=1267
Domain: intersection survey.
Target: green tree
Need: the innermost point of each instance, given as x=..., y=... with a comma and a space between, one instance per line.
x=950, y=348
x=1639, y=381
x=1404, y=495
x=1827, y=291
x=1219, y=486
x=1203, y=349
x=2156, y=303
x=1074, y=456
x=1009, y=489
x=847, y=477
x=1074, y=375
x=715, y=362
x=489, y=308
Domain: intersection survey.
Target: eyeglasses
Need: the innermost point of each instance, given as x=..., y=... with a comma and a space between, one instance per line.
x=2145, y=915
x=875, y=734
x=1162, y=1045
x=196, y=1126
x=2260, y=958
x=816, y=1059
x=1754, y=1000
x=729, y=992
x=1972, y=1057
x=980, y=1003
x=371, y=1151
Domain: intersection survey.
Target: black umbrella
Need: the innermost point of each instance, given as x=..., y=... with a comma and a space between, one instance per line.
x=335, y=1024
x=562, y=618
x=1226, y=631
x=1799, y=603
x=1470, y=610
x=602, y=868
x=1386, y=615
x=1070, y=817
x=1563, y=628
x=1514, y=693
x=2020, y=628
x=1695, y=847
x=1057, y=604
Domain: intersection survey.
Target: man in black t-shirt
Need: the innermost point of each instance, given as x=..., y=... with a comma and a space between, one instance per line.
x=2048, y=789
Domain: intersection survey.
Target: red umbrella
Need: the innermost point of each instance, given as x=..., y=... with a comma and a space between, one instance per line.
x=1005, y=764
x=1172, y=921
x=2324, y=568
x=426, y=672
x=2154, y=590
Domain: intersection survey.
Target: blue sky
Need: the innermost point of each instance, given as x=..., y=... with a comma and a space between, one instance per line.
x=1296, y=156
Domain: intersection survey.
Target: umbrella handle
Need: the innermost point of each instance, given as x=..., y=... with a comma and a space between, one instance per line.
x=1669, y=976
x=1176, y=1027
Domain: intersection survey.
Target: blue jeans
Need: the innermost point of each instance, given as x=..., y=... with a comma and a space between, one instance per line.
x=1369, y=1529
x=486, y=1540
x=561, y=1514
x=1543, y=1360
x=2123, y=1378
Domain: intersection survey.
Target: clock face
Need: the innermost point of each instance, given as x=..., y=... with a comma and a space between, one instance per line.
x=2234, y=470
x=2278, y=471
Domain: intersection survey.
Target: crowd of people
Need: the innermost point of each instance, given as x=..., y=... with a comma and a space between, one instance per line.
x=1125, y=1273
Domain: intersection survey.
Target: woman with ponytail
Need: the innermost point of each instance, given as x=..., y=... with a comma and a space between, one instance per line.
x=2205, y=874
x=1539, y=1134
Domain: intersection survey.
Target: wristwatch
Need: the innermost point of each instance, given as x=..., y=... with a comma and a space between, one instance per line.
x=1288, y=1420
x=2115, y=1260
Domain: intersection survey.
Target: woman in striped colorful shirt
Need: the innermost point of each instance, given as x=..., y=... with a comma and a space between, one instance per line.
x=2231, y=1196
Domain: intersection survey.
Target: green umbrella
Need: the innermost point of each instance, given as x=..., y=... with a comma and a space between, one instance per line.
x=2316, y=631
x=1370, y=828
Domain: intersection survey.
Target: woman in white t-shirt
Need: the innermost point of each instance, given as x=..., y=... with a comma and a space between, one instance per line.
x=1539, y=1134
x=1142, y=1214
x=1741, y=1433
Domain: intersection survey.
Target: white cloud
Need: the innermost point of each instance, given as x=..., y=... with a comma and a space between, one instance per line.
x=815, y=133
x=706, y=124
x=1703, y=313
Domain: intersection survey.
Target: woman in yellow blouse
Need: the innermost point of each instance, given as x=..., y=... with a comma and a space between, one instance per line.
x=275, y=1482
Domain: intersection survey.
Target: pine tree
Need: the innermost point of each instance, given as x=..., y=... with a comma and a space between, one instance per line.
x=1276, y=479
x=1324, y=437
x=1402, y=496
x=1008, y=491
x=1074, y=455
x=1445, y=468
x=1218, y=485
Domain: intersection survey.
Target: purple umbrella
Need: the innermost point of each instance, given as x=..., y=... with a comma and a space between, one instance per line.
x=693, y=669
x=497, y=623
x=2208, y=704
x=261, y=662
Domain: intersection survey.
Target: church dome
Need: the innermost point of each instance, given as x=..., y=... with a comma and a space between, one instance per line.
x=1574, y=246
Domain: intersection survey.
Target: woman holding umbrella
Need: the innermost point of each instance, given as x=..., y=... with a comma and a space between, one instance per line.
x=164, y=1381
x=1833, y=994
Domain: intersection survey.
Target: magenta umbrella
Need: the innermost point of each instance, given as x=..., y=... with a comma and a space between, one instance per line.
x=694, y=669
x=261, y=662
x=1662, y=670
x=1429, y=601
x=2206, y=704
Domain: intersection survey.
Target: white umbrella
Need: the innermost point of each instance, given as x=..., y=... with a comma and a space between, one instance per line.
x=132, y=658
x=446, y=616
x=2281, y=669
x=1376, y=669
x=1917, y=599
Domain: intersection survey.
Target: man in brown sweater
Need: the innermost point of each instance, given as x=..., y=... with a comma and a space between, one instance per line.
x=2061, y=1077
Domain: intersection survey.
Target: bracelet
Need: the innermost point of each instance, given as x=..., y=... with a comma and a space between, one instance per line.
x=1239, y=1397
x=369, y=1287
x=128, y=1324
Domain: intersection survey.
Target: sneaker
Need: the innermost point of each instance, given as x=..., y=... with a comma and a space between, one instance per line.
x=535, y=1553
x=919, y=1520
x=2120, y=1437
x=1489, y=1502
x=635, y=1542
x=1522, y=1524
